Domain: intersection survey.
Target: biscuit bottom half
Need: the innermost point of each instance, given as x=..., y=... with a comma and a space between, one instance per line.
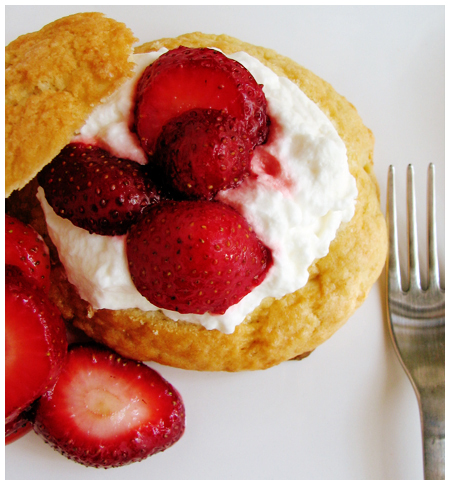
x=278, y=330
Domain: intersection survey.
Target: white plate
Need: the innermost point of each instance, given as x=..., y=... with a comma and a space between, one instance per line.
x=347, y=411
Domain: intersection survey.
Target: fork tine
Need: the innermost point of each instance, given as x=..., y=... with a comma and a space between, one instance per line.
x=433, y=265
x=414, y=270
x=394, y=277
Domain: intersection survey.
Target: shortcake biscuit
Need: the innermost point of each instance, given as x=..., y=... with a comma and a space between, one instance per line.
x=54, y=78
x=279, y=329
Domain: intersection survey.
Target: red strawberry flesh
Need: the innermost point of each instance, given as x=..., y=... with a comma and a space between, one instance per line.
x=201, y=152
x=35, y=343
x=95, y=190
x=195, y=256
x=185, y=79
x=107, y=411
x=25, y=249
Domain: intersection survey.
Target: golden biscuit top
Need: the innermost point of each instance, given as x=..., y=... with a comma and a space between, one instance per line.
x=54, y=79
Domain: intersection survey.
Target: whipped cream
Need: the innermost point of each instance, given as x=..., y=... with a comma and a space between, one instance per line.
x=301, y=193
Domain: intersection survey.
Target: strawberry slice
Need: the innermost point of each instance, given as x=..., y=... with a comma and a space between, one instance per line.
x=201, y=152
x=186, y=78
x=95, y=190
x=195, y=256
x=17, y=428
x=108, y=411
x=26, y=249
x=35, y=343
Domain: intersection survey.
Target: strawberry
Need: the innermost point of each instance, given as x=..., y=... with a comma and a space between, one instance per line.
x=195, y=256
x=108, y=411
x=187, y=78
x=201, y=152
x=17, y=428
x=35, y=343
x=95, y=190
x=26, y=249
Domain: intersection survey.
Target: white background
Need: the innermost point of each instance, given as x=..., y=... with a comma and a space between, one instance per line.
x=347, y=411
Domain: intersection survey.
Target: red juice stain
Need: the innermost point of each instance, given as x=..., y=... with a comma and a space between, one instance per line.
x=269, y=164
x=266, y=167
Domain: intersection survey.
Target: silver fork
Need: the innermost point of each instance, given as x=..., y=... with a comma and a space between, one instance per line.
x=417, y=323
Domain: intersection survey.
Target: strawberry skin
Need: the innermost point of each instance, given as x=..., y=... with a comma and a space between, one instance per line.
x=187, y=78
x=17, y=428
x=95, y=190
x=201, y=152
x=195, y=256
x=26, y=249
x=108, y=411
x=35, y=343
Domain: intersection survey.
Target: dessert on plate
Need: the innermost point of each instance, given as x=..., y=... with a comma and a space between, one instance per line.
x=239, y=225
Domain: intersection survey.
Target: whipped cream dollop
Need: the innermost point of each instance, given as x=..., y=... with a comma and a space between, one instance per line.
x=301, y=193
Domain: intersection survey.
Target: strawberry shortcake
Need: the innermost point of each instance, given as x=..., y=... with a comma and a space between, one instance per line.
x=208, y=204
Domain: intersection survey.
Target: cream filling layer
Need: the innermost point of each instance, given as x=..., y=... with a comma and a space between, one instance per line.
x=302, y=193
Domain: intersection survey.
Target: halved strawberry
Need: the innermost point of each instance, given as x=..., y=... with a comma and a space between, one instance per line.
x=201, y=152
x=187, y=78
x=26, y=249
x=195, y=256
x=95, y=190
x=108, y=411
x=35, y=343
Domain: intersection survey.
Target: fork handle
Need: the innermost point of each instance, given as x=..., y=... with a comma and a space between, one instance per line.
x=433, y=430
